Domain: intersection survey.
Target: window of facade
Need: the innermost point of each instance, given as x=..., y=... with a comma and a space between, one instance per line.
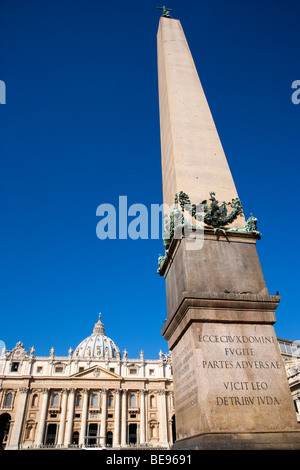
x=55, y=399
x=92, y=434
x=51, y=434
x=132, y=401
x=94, y=399
x=132, y=431
x=78, y=401
x=8, y=399
x=110, y=401
x=282, y=347
x=109, y=438
x=59, y=369
x=14, y=367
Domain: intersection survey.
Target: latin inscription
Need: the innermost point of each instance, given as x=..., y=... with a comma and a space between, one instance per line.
x=239, y=353
x=186, y=385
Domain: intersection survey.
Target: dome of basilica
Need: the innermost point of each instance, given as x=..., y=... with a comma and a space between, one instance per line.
x=98, y=345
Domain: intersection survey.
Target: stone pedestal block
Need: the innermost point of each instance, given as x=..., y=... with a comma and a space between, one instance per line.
x=230, y=385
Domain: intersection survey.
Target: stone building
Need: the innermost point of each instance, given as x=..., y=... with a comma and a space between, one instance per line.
x=290, y=351
x=95, y=397
x=92, y=397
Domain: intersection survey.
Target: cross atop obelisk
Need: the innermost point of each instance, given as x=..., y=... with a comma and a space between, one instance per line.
x=166, y=11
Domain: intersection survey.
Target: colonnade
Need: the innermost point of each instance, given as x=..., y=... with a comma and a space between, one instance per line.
x=67, y=408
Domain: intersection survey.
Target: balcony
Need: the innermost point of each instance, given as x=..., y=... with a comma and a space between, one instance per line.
x=54, y=409
x=133, y=409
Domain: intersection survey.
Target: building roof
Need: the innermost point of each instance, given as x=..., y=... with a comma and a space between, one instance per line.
x=97, y=344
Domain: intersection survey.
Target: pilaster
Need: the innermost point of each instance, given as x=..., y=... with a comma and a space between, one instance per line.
x=142, y=417
x=116, y=434
x=103, y=418
x=85, y=404
x=19, y=418
x=124, y=419
x=62, y=424
x=69, y=427
x=42, y=421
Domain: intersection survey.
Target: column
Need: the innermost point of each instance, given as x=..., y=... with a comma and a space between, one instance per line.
x=103, y=418
x=116, y=436
x=42, y=421
x=163, y=438
x=85, y=404
x=69, y=429
x=124, y=419
x=19, y=417
x=60, y=438
x=142, y=417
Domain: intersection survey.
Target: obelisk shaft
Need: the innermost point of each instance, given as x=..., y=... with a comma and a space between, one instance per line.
x=193, y=158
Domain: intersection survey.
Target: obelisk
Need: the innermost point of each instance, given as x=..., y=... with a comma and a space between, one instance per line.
x=230, y=385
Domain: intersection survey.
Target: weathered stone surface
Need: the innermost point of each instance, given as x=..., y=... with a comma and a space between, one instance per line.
x=241, y=441
x=221, y=266
x=230, y=378
x=193, y=158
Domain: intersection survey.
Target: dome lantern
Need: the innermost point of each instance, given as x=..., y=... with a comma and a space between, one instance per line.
x=99, y=327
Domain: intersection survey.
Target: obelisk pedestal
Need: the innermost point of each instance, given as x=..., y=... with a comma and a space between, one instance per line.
x=230, y=385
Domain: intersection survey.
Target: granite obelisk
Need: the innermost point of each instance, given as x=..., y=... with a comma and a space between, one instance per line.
x=230, y=386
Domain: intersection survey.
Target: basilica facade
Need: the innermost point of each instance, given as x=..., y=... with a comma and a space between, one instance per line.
x=94, y=397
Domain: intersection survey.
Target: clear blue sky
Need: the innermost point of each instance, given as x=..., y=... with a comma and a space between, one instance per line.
x=81, y=127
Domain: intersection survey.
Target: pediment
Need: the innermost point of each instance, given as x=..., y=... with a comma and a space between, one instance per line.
x=18, y=352
x=96, y=372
